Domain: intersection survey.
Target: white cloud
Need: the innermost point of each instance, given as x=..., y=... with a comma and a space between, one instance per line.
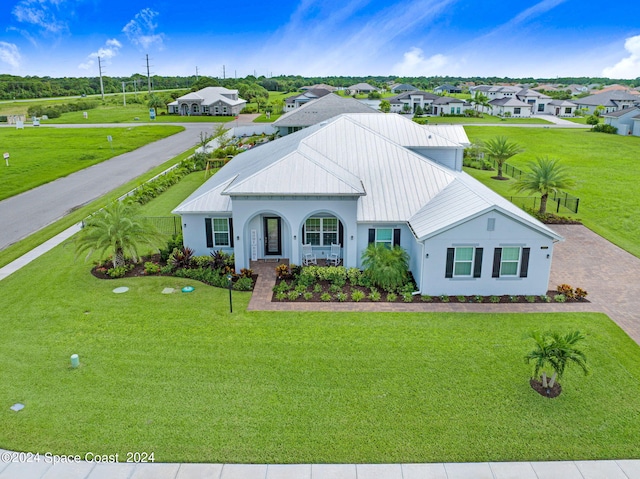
x=414, y=63
x=10, y=54
x=40, y=13
x=629, y=67
x=110, y=49
x=141, y=30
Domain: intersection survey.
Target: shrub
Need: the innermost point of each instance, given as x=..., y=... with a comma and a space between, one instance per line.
x=307, y=295
x=317, y=288
x=375, y=295
x=513, y=299
x=478, y=298
x=174, y=242
x=306, y=279
x=166, y=269
x=407, y=297
x=461, y=299
x=387, y=268
x=243, y=284
x=426, y=298
x=181, y=257
x=566, y=290
x=560, y=298
x=201, y=261
x=246, y=273
x=602, y=128
x=151, y=268
x=325, y=297
x=118, y=272
x=530, y=299
x=357, y=296
x=545, y=298
x=494, y=299
x=334, y=288
x=281, y=287
x=280, y=295
x=580, y=294
x=391, y=297
x=354, y=275
x=292, y=295
x=444, y=298
x=341, y=296
x=300, y=288
x=282, y=271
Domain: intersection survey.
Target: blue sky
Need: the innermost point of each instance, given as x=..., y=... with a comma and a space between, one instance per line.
x=546, y=38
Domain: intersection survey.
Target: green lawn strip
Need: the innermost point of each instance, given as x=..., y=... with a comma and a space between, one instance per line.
x=578, y=119
x=41, y=155
x=179, y=376
x=605, y=167
x=457, y=120
x=168, y=200
x=263, y=118
x=128, y=114
x=16, y=250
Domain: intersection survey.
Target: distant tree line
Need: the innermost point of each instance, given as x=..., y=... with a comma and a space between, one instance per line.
x=250, y=87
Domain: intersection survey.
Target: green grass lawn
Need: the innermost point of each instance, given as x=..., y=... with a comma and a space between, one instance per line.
x=179, y=376
x=41, y=155
x=605, y=166
x=168, y=200
x=128, y=114
x=457, y=120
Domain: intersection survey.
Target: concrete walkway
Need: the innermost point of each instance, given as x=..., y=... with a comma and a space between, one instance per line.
x=621, y=469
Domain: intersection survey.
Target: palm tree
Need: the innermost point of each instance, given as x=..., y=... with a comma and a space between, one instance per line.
x=388, y=268
x=481, y=100
x=116, y=229
x=545, y=176
x=556, y=351
x=501, y=149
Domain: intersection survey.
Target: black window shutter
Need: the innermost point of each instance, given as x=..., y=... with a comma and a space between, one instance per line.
x=497, y=257
x=448, y=273
x=477, y=263
x=340, y=233
x=372, y=235
x=231, y=232
x=524, y=265
x=303, y=237
x=396, y=237
x=209, y=232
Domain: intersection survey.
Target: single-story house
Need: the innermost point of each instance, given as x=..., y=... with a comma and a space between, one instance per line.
x=447, y=88
x=431, y=104
x=361, y=88
x=561, y=108
x=296, y=101
x=358, y=179
x=402, y=87
x=323, y=86
x=509, y=106
x=319, y=110
x=613, y=100
x=210, y=101
x=627, y=121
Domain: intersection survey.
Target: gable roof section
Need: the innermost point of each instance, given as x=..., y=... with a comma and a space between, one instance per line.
x=509, y=101
x=407, y=95
x=322, y=109
x=623, y=112
x=607, y=98
x=212, y=94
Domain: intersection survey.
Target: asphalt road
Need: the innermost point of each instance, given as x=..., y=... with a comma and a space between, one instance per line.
x=32, y=210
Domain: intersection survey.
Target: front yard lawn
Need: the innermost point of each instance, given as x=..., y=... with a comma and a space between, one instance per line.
x=457, y=120
x=41, y=155
x=177, y=375
x=605, y=166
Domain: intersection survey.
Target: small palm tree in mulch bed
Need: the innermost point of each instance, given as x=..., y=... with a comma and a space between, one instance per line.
x=556, y=351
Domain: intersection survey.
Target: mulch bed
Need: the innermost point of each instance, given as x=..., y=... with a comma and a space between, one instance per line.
x=546, y=392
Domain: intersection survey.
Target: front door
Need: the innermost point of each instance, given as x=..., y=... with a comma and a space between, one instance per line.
x=272, y=240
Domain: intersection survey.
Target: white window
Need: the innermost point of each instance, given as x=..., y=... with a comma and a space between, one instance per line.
x=509, y=261
x=220, y=231
x=463, y=262
x=516, y=111
x=384, y=236
x=321, y=231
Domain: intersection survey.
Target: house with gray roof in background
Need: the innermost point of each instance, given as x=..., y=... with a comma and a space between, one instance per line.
x=402, y=87
x=430, y=103
x=210, y=101
x=358, y=179
x=447, y=88
x=613, y=100
x=319, y=110
x=296, y=101
x=627, y=121
x=360, y=88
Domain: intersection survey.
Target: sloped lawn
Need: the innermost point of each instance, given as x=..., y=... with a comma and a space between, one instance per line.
x=177, y=375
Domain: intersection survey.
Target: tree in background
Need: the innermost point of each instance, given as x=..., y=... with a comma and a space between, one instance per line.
x=385, y=106
x=500, y=149
x=544, y=176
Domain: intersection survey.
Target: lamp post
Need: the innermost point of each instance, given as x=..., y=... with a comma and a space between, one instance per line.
x=230, y=301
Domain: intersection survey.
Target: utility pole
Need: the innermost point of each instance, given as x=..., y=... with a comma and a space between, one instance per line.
x=223, y=72
x=101, y=84
x=124, y=96
x=196, y=73
x=148, y=75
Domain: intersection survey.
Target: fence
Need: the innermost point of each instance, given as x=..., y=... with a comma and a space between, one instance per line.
x=562, y=199
x=168, y=225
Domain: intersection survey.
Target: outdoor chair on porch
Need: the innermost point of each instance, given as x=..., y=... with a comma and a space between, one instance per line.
x=334, y=256
x=308, y=256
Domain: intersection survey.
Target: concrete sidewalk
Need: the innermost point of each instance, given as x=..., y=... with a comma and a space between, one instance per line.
x=621, y=469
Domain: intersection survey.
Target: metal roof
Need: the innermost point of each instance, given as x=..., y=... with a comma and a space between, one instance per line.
x=324, y=108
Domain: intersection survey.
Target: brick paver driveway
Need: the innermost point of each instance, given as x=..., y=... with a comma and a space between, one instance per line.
x=584, y=260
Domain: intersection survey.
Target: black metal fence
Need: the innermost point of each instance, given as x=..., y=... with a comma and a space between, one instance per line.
x=168, y=225
x=562, y=200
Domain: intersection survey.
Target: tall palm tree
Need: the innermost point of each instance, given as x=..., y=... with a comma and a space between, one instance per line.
x=481, y=100
x=116, y=229
x=500, y=149
x=556, y=351
x=545, y=176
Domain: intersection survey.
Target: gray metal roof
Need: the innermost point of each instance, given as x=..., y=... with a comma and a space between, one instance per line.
x=562, y=103
x=607, y=98
x=367, y=156
x=324, y=108
x=212, y=94
x=509, y=101
x=623, y=112
x=362, y=87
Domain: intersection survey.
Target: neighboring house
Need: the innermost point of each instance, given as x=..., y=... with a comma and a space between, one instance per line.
x=317, y=111
x=322, y=86
x=210, y=101
x=627, y=121
x=561, y=108
x=431, y=104
x=508, y=106
x=359, y=179
x=613, y=100
x=361, y=88
x=402, y=87
x=576, y=89
x=297, y=101
x=447, y=88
